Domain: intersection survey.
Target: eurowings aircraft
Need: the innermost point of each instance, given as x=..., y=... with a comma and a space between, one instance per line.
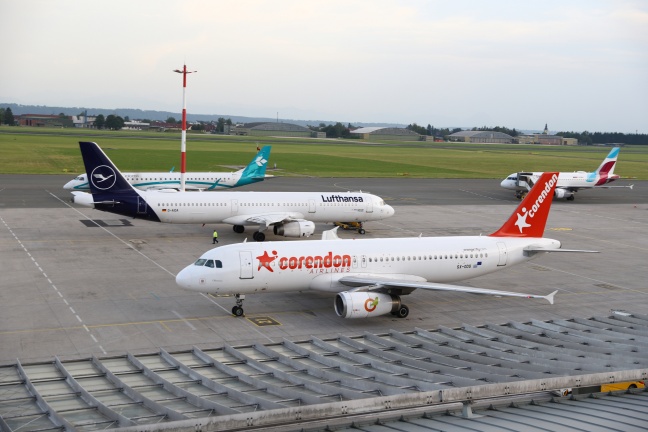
x=568, y=182
x=254, y=172
x=370, y=276
x=290, y=214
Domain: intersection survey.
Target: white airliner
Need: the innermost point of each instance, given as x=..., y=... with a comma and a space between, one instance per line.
x=370, y=275
x=568, y=182
x=254, y=172
x=291, y=214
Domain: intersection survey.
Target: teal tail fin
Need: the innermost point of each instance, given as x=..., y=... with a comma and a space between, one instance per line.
x=255, y=171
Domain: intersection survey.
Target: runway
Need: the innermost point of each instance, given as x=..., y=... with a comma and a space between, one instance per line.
x=74, y=288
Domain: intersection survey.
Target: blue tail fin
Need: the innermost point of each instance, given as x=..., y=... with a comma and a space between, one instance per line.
x=103, y=175
x=255, y=171
x=110, y=190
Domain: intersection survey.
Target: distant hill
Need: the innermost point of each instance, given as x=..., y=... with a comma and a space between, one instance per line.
x=136, y=114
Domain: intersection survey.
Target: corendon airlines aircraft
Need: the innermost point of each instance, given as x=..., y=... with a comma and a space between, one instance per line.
x=291, y=214
x=568, y=182
x=370, y=275
x=254, y=172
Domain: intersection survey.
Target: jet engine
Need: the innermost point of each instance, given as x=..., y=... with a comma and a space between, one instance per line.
x=295, y=229
x=562, y=193
x=364, y=304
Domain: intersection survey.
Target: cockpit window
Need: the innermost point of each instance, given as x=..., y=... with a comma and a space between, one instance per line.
x=209, y=263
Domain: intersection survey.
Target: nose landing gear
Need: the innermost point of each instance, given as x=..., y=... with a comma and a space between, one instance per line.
x=238, y=309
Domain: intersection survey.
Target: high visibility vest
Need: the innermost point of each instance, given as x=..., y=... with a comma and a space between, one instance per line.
x=215, y=234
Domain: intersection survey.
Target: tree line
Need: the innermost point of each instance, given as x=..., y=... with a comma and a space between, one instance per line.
x=339, y=130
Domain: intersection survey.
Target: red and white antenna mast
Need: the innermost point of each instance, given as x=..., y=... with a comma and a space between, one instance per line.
x=183, y=144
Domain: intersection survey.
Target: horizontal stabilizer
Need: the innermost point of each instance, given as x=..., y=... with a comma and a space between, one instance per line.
x=541, y=249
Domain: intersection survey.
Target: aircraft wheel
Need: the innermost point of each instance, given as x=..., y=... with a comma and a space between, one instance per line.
x=258, y=236
x=237, y=311
x=402, y=312
x=571, y=198
x=238, y=228
x=361, y=231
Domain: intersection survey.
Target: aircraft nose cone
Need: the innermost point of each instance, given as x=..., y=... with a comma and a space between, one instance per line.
x=68, y=185
x=390, y=210
x=185, y=278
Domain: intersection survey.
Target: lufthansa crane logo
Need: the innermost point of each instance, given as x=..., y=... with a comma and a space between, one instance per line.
x=103, y=177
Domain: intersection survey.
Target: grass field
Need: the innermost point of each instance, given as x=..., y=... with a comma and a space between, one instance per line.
x=56, y=151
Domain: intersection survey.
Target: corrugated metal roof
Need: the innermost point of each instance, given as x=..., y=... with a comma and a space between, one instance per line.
x=363, y=375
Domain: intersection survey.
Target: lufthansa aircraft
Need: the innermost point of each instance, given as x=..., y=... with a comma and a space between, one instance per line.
x=207, y=181
x=369, y=276
x=291, y=214
x=568, y=182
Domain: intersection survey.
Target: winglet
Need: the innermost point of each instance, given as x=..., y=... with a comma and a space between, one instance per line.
x=550, y=297
x=530, y=217
x=330, y=234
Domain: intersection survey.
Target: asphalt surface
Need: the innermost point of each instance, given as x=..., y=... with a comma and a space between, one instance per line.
x=72, y=288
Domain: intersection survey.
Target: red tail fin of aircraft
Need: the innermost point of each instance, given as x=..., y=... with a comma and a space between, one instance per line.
x=530, y=217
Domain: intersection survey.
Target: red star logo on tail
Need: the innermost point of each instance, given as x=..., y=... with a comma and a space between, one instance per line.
x=265, y=260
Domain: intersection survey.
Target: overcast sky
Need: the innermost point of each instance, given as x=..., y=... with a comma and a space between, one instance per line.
x=576, y=65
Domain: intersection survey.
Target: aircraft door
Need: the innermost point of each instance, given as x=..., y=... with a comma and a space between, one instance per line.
x=246, y=264
x=503, y=254
x=369, y=208
x=234, y=206
x=141, y=205
x=311, y=206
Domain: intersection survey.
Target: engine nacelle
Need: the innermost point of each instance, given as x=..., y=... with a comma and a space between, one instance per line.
x=295, y=229
x=83, y=198
x=365, y=304
x=562, y=193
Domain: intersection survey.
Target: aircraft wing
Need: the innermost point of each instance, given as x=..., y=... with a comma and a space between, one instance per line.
x=407, y=284
x=271, y=218
x=266, y=219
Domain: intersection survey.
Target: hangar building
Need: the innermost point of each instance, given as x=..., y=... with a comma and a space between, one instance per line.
x=387, y=134
x=481, y=137
x=273, y=129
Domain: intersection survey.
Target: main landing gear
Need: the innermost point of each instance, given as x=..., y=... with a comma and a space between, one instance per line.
x=402, y=312
x=257, y=236
x=238, y=309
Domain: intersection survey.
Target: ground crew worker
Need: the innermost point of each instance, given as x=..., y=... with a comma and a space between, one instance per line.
x=215, y=238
